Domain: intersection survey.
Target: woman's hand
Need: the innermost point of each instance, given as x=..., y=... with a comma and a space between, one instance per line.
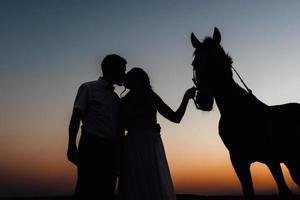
x=190, y=93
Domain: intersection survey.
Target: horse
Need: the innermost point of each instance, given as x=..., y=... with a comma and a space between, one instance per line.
x=251, y=130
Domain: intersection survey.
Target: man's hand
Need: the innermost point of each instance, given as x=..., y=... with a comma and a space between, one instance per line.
x=73, y=155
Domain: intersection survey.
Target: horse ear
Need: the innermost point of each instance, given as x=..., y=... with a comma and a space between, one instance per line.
x=195, y=42
x=217, y=35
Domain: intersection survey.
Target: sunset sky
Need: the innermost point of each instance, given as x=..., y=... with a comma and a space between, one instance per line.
x=49, y=47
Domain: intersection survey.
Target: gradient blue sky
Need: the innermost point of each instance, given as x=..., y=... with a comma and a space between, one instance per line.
x=49, y=47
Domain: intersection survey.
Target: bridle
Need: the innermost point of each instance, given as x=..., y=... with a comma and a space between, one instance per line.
x=197, y=85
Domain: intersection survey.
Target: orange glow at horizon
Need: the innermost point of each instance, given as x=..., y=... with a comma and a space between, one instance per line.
x=220, y=178
x=52, y=173
x=198, y=160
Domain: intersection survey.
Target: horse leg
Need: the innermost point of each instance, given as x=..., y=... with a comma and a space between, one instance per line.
x=294, y=169
x=276, y=171
x=242, y=169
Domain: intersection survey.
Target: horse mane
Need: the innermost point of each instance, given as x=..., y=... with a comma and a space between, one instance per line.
x=209, y=44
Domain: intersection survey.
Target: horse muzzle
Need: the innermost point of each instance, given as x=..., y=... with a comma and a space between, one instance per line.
x=204, y=101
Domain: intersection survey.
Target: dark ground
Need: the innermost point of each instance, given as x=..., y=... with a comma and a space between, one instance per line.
x=179, y=197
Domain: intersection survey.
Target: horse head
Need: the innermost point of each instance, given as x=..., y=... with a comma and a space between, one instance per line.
x=212, y=67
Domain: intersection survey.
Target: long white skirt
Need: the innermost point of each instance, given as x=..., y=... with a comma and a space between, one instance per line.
x=145, y=173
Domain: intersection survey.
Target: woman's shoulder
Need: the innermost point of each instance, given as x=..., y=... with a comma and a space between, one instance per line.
x=145, y=97
x=152, y=96
x=155, y=96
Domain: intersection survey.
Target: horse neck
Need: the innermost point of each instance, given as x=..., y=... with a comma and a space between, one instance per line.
x=230, y=97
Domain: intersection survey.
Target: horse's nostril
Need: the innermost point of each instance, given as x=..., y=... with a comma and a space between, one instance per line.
x=204, y=101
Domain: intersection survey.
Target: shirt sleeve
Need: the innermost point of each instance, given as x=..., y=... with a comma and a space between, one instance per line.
x=81, y=99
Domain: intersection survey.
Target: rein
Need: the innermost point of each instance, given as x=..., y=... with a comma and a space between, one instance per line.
x=249, y=91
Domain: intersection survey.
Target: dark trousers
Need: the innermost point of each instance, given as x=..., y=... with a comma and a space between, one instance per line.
x=96, y=168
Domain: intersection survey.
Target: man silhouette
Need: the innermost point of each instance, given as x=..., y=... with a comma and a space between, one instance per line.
x=96, y=106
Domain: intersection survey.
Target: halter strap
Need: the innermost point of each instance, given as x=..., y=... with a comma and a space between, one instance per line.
x=249, y=91
x=196, y=84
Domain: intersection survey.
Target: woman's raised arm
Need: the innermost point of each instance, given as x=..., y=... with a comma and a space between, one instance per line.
x=168, y=113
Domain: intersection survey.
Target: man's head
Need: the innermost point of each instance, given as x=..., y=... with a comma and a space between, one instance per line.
x=113, y=69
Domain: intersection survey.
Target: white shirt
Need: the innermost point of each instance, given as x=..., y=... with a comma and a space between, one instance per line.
x=99, y=105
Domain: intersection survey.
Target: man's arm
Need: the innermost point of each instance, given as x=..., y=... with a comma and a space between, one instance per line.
x=80, y=106
x=73, y=131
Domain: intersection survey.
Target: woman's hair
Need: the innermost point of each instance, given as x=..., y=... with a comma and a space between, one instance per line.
x=137, y=80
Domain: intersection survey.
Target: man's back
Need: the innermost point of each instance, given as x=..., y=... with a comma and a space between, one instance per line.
x=99, y=105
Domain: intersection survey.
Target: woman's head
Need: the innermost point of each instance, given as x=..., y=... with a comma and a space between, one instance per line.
x=137, y=79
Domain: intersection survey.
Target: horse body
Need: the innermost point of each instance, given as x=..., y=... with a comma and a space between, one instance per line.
x=236, y=125
x=251, y=130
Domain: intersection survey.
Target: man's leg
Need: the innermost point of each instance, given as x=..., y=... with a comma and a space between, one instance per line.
x=106, y=169
x=106, y=185
x=86, y=167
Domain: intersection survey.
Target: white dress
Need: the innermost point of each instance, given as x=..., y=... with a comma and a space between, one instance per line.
x=145, y=172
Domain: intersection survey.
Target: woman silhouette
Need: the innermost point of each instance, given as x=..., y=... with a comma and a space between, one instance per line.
x=145, y=172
